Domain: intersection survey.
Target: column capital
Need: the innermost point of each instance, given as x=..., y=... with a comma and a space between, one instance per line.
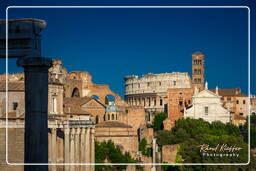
x=66, y=131
x=92, y=131
x=54, y=130
x=83, y=130
x=78, y=131
x=73, y=131
x=34, y=62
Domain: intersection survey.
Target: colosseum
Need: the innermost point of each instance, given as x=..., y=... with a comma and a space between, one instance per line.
x=151, y=90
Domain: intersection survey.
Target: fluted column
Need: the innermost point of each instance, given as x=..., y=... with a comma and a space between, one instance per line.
x=83, y=148
x=77, y=149
x=92, y=149
x=88, y=148
x=66, y=151
x=54, y=148
x=72, y=149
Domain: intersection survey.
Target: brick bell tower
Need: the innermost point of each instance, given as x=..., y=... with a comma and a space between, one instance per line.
x=198, y=70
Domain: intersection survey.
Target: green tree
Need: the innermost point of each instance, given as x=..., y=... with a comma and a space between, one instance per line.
x=144, y=149
x=106, y=151
x=244, y=130
x=158, y=121
x=191, y=133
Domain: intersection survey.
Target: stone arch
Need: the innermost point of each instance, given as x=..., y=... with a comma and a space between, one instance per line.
x=75, y=93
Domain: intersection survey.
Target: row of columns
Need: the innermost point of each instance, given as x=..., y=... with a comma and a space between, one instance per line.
x=146, y=101
x=78, y=147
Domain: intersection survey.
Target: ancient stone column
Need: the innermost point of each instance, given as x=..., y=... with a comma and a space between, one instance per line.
x=92, y=149
x=36, y=109
x=83, y=149
x=66, y=148
x=50, y=147
x=72, y=149
x=77, y=149
x=54, y=148
x=88, y=148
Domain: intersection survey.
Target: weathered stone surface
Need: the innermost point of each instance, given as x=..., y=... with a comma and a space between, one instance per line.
x=169, y=153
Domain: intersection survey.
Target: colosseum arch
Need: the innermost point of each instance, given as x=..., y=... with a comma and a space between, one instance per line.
x=75, y=93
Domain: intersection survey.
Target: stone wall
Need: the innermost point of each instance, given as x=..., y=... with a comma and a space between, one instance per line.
x=15, y=148
x=136, y=116
x=169, y=153
x=125, y=138
x=178, y=98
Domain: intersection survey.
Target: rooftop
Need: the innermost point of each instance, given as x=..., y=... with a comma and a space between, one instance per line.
x=113, y=124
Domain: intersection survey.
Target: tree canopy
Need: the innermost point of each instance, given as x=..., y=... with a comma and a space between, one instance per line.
x=158, y=121
x=190, y=134
x=106, y=151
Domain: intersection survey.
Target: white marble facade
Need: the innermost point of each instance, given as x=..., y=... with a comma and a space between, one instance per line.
x=207, y=105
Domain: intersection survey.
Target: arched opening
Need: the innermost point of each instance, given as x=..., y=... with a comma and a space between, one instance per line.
x=109, y=99
x=97, y=119
x=113, y=117
x=75, y=93
x=95, y=97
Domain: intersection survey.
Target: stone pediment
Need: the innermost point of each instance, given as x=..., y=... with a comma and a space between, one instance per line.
x=206, y=93
x=93, y=103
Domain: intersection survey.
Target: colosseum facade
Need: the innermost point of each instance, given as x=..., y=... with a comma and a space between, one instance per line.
x=150, y=90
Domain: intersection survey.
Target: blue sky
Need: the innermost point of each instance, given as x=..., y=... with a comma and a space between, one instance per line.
x=113, y=43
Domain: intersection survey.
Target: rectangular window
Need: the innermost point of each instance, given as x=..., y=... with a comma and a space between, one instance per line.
x=237, y=102
x=14, y=106
x=244, y=101
x=174, y=82
x=54, y=105
x=206, y=110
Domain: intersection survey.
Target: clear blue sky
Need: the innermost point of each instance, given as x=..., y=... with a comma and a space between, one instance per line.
x=113, y=43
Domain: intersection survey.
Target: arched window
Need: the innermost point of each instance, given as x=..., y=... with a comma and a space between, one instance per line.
x=104, y=117
x=195, y=71
x=108, y=116
x=97, y=119
x=161, y=102
x=113, y=117
x=75, y=93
